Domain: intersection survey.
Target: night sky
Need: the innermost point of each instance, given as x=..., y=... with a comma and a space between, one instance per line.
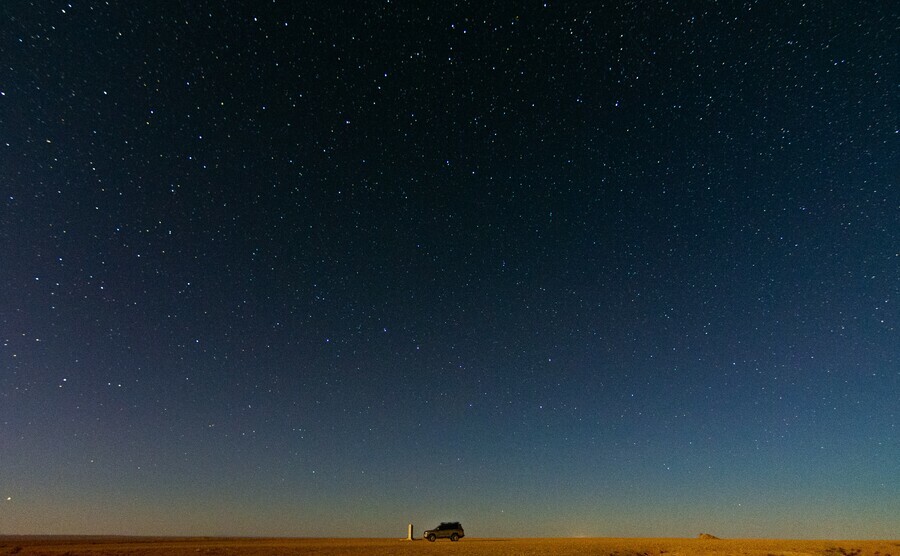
x=547, y=269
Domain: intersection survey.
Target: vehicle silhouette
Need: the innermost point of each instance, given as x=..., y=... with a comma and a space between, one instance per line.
x=449, y=530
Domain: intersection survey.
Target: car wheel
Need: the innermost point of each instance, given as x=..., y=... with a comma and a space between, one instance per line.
x=431, y=537
x=454, y=537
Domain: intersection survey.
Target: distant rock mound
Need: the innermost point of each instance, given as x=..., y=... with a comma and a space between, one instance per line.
x=708, y=537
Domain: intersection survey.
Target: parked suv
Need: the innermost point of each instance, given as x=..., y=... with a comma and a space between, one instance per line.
x=451, y=530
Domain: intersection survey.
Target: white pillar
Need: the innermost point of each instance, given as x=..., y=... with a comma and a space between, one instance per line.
x=409, y=534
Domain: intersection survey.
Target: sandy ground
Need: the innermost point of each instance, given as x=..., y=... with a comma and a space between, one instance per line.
x=84, y=546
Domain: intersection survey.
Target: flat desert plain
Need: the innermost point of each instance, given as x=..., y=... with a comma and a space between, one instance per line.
x=91, y=546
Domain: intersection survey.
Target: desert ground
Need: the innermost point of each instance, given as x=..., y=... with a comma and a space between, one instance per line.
x=90, y=546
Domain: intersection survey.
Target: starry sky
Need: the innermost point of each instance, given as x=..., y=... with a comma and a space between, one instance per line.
x=544, y=268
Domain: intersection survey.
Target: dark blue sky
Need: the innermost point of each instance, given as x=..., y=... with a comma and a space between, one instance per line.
x=547, y=269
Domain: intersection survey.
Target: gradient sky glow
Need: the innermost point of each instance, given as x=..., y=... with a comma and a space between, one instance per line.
x=328, y=268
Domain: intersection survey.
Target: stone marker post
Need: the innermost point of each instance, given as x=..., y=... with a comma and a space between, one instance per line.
x=409, y=533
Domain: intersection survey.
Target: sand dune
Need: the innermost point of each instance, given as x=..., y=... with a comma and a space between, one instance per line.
x=107, y=546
